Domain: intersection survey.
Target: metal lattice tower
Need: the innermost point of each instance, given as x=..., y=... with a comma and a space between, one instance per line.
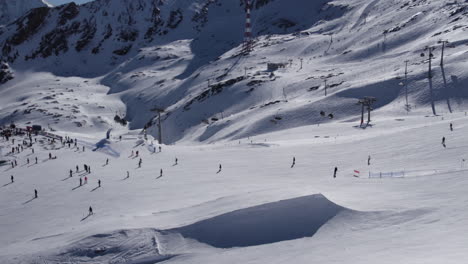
x=248, y=39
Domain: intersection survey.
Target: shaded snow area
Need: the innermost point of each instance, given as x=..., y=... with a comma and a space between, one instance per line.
x=264, y=158
x=260, y=207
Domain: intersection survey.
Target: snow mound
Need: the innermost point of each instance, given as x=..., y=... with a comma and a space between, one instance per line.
x=264, y=224
x=124, y=246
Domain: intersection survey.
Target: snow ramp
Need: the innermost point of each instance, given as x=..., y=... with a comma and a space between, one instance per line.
x=264, y=224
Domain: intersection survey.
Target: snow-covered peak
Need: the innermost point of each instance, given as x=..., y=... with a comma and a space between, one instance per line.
x=10, y=10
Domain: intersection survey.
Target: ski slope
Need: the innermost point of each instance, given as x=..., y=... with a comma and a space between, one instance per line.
x=257, y=209
x=235, y=127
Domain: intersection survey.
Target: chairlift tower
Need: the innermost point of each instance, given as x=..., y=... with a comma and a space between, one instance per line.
x=159, y=111
x=248, y=39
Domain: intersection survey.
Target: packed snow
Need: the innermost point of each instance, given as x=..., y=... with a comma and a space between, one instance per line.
x=263, y=156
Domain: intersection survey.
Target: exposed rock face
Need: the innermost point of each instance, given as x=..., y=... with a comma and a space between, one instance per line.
x=12, y=9
x=6, y=73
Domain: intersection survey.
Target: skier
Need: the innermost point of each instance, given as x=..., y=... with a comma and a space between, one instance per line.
x=139, y=163
x=160, y=149
x=132, y=154
x=176, y=160
x=90, y=210
x=16, y=163
x=294, y=162
x=50, y=155
x=32, y=150
x=137, y=153
x=12, y=179
x=368, y=160
x=451, y=127
x=36, y=160
x=81, y=182
x=334, y=174
x=77, y=168
x=89, y=169
x=161, y=173
x=85, y=167
x=71, y=173
x=35, y=193
x=99, y=183
x=27, y=161
x=107, y=161
x=128, y=174
x=220, y=168
x=86, y=180
x=443, y=142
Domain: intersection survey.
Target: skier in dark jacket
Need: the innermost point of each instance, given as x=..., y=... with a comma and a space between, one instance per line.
x=334, y=173
x=90, y=210
x=443, y=142
x=35, y=193
x=12, y=179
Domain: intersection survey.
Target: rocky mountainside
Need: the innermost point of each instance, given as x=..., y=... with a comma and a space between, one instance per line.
x=12, y=9
x=183, y=56
x=112, y=30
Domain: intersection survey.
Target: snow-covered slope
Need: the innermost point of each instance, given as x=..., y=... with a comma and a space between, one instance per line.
x=12, y=9
x=247, y=172
x=257, y=209
x=183, y=56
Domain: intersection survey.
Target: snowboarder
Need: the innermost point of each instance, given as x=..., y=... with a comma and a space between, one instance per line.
x=368, y=160
x=90, y=210
x=336, y=170
x=451, y=127
x=12, y=179
x=35, y=193
x=294, y=162
x=443, y=142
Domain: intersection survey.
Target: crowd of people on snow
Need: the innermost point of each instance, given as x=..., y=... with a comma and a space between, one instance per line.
x=29, y=139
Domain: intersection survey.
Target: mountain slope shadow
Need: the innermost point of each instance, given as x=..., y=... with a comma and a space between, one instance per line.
x=268, y=223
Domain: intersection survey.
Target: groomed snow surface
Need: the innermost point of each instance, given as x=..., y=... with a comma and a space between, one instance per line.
x=257, y=209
